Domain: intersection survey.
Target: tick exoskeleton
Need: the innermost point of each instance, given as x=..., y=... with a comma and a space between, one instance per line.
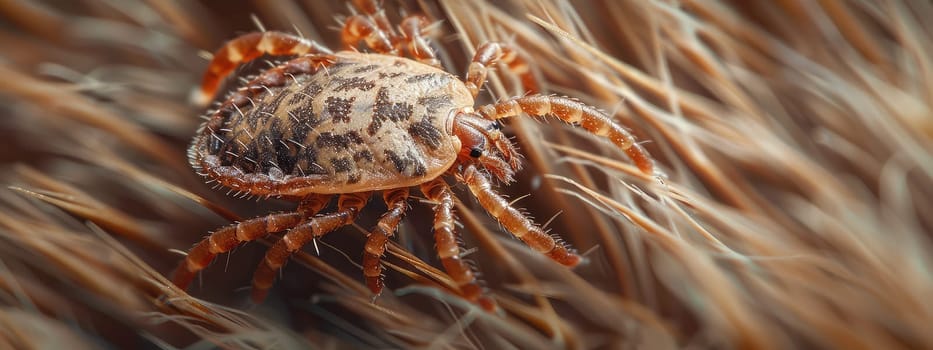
x=349, y=123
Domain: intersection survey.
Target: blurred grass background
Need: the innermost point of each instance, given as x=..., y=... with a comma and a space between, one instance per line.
x=797, y=212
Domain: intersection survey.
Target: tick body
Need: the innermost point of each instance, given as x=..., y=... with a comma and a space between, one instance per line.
x=348, y=124
x=361, y=122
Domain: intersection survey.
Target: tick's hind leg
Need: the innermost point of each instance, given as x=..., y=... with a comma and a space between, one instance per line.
x=491, y=53
x=514, y=221
x=246, y=48
x=229, y=237
x=577, y=113
x=397, y=202
x=348, y=206
x=448, y=250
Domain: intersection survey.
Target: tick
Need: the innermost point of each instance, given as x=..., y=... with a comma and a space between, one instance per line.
x=348, y=124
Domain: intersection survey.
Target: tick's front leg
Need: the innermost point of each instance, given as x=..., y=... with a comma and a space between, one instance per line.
x=577, y=113
x=491, y=53
x=516, y=222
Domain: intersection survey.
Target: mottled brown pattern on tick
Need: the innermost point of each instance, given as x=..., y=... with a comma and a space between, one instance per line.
x=366, y=68
x=385, y=109
x=308, y=93
x=434, y=104
x=420, y=78
x=384, y=75
x=426, y=133
x=339, y=108
x=347, y=84
x=407, y=164
x=329, y=140
x=344, y=128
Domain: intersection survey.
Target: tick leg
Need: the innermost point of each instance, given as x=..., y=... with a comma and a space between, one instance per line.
x=248, y=47
x=397, y=202
x=362, y=28
x=576, y=113
x=491, y=53
x=228, y=237
x=448, y=250
x=348, y=207
x=514, y=221
x=377, y=14
x=418, y=45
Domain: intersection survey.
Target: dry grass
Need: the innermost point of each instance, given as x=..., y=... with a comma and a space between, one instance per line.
x=796, y=137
